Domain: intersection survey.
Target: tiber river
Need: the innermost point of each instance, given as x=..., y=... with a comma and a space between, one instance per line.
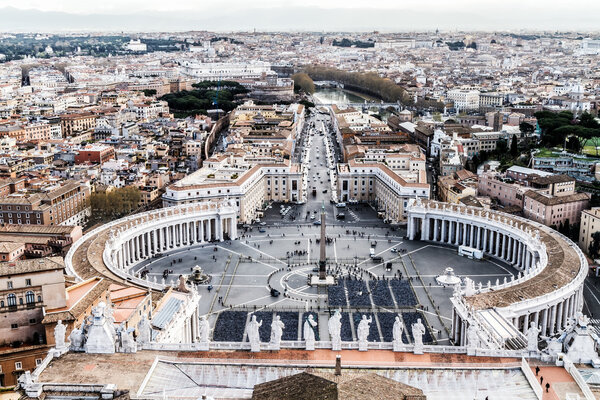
x=341, y=96
x=336, y=96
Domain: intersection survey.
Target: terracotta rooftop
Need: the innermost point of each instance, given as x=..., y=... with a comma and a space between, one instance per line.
x=33, y=265
x=79, y=298
x=127, y=371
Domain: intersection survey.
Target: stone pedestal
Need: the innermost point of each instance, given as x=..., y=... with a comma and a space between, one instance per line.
x=203, y=346
x=336, y=345
x=418, y=349
x=363, y=345
x=398, y=345
x=316, y=281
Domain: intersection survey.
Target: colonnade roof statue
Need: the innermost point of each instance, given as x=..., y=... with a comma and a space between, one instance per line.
x=546, y=291
x=112, y=249
x=564, y=259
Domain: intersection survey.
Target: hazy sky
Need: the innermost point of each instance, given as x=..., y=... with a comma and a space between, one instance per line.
x=320, y=15
x=129, y=6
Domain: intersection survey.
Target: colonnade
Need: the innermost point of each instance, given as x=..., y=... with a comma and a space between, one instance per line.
x=508, y=246
x=166, y=236
x=517, y=242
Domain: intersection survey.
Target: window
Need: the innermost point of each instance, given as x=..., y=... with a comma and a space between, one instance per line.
x=32, y=320
x=14, y=326
x=12, y=300
x=38, y=361
x=18, y=365
x=30, y=297
x=9, y=284
x=27, y=282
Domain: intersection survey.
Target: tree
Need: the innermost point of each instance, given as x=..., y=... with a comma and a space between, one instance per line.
x=526, y=128
x=107, y=206
x=594, y=248
x=514, y=150
x=303, y=82
x=149, y=92
x=501, y=147
x=573, y=144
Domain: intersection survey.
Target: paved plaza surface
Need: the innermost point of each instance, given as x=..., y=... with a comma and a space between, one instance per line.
x=242, y=270
x=282, y=251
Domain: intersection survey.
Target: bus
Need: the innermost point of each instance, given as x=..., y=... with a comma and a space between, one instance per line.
x=470, y=252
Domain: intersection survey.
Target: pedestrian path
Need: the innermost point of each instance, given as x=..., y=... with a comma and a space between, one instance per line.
x=561, y=383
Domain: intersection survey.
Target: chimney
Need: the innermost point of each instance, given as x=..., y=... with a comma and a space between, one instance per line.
x=338, y=365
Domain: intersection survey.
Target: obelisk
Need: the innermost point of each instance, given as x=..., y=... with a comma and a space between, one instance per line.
x=322, y=263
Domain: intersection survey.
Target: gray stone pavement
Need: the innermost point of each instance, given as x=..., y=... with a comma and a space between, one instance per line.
x=285, y=253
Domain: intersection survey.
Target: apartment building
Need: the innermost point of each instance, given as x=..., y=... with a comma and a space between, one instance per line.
x=376, y=183
x=590, y=224
x=95, y=154
x=74, y=124
x=453, y=188
x=251, y=183
x=27, y=287
x=464, y=99
x=554, y=210
x=66, y=204
x=509, y=189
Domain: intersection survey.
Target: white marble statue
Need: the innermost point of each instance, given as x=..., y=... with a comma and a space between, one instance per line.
x=418, y=330
x=309, y=333
x=100, y=337
x=364, y=326
x=473, y=341
x=277, y=327
x=76, y=338
x=59, y=335
x=397, y=333
x=335, y=327
x=253, y=335
x=532, y=337
x=126, y=343
x=144, y=334
x=108, y=314
x=204, y=332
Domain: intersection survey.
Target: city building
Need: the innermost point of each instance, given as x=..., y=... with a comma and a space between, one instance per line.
x=590, y=224
x=251, y=185
x=554, y=210
x=66, y=204
x=378, y=184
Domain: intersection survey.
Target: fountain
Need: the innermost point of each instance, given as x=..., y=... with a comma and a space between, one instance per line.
x=198, y=276
x=448, y=278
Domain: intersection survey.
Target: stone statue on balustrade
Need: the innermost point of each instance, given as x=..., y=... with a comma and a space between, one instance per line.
x=277, y=327
x=309, y=333
x=397, y=331
x=59, y=335
x=363, y=329
x=335, y=329
x=532, y=337
x=253, y=335
x=110, y=319
x=77, y=339
x=144, y=334
x=125, y=341
x=473, y=341
x=204, y=332
x=418, y=330
x=100, y=338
